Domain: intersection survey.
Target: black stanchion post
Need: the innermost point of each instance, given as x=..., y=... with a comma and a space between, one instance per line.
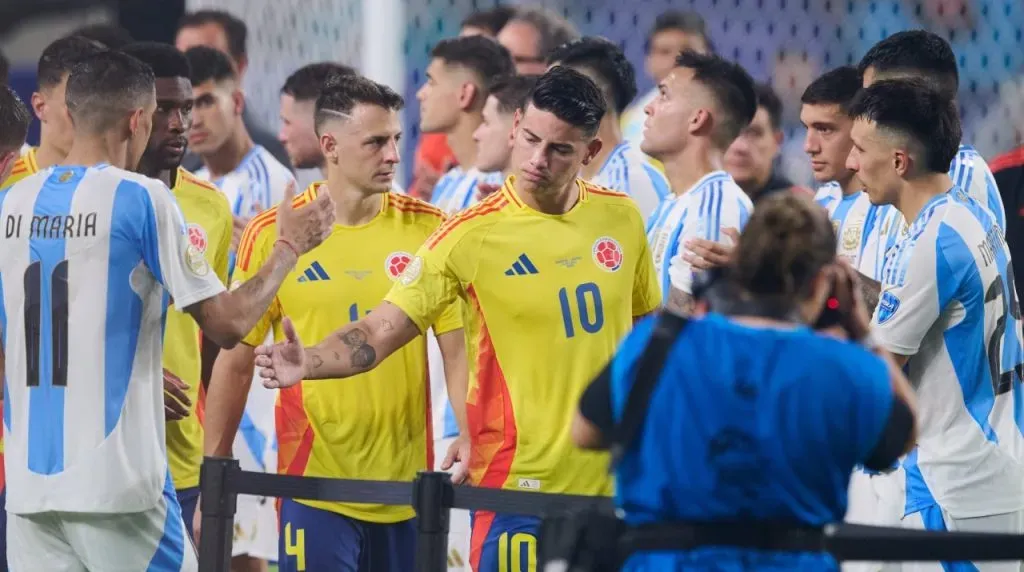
x=217, y=503
x=432, y=497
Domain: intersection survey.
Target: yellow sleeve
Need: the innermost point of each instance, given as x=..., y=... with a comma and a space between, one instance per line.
x=430, y=285
x=222, y=249
x=646, y=290
x=253, y=250
x=450, y=319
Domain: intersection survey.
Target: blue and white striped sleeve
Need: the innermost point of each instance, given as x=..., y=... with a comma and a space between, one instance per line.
x=719, y=208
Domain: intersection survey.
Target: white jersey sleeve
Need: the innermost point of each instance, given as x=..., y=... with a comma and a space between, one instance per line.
x=627, y=171
x=970, y=172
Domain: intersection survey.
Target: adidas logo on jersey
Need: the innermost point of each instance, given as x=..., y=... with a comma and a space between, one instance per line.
x=522, y=267
x=314, y=273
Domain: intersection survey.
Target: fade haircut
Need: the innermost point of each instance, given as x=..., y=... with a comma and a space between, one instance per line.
x=915, y=53
x=210, y=64
x=552, y=29
x=615, y=75
x=571, y=97
x=234, y=29
x=307, y=82
x=165, y=60
x=689, y=23
x=60, y=56
x=769, y=100
x=339, y=98
x=917, y=110
x=834, y=87
x=732, y=88
x=492, y=20
x=512, y=92
x=483, y=56
x=105, y=87
x=109, y=36
x=14, y=120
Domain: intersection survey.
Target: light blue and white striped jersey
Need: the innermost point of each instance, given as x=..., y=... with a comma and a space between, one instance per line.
x=715, y=202
x=255, y=185
x=88, y=260
x=627, y=170
x=856, y=223
x=948, y=300
x=456, y=189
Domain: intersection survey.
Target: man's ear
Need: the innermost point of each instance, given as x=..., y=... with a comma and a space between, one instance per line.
x=38, y=103
x=593, y=148
x=468, y=94
x=238, y=97
x=329, y=147
x=134, y=120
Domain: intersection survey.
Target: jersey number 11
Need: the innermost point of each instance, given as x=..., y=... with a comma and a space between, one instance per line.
x=58, y=320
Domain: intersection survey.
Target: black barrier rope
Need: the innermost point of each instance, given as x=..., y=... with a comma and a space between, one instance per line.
x=432, y=495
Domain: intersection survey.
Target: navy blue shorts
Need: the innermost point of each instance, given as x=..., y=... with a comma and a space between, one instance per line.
x=315, y=539
x=503, y=542
x=188, y=499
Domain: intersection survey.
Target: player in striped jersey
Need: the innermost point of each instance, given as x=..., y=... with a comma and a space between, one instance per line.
x=949, y=314
x=452, y=102
x=55, y=129
x=86, y=459
x=252, y=180
x=701, y=108
x=619, y=165
x=14, y=121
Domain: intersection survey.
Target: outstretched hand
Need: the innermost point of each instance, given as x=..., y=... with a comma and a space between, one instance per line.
x=282, y=364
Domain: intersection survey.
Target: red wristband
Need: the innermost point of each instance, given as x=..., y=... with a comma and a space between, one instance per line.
x=289, y=245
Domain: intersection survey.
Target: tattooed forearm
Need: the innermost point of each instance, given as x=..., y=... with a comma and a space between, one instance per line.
x=363, y=355
x=870, y=290
x=680, y=302
x=360, y=346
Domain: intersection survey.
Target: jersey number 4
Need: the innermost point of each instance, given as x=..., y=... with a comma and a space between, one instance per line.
x=588, y=307
x=1006, y=294
x=35, y=293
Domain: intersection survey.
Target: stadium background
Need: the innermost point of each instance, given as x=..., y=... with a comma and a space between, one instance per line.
x=785, y=42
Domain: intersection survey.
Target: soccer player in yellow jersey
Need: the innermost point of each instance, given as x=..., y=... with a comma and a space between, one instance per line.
x=209, y=221
x=553, y=271
x=55, y=129
x=377, y=429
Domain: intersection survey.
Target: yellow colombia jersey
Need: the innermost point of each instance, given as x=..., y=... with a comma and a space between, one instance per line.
x=548, y=297
x=375, y=425
x=209, y=221
x=25, y=166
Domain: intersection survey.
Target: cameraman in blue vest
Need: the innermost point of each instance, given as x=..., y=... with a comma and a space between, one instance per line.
x=761, y=409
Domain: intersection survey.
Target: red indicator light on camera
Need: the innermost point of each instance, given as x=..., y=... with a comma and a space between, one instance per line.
x=833, y=303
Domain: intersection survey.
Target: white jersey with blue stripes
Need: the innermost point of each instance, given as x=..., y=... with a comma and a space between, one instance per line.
x=714, y=203
x=627, y=170
x=456, y=189
x=948, y=300
x=88, y=259
x=255, y=185
x=857, y=224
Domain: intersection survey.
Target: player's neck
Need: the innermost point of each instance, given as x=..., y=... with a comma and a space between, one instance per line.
x=460, y=140
x=918, y=191
x=610, y=134
x=850, y=185
x=553, y=201
x=690, y=165
x=230, y=155
x=352, y=206
x=47, y=155
x=93, y=149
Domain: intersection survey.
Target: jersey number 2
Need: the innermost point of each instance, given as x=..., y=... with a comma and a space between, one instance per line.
x=1002, y=381
x=591, y=323
x=58, y=319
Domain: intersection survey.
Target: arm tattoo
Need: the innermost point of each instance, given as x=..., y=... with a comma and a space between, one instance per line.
x=363, y=355
x=680, y=302
x=386, y=326
x=316, y=361
x=870, y=290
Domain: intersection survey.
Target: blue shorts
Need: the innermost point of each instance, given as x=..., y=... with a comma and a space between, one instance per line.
x=188, y=499
x=315, y=539
x=503, y=542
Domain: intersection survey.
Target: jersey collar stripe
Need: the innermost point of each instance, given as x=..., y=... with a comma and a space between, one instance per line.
x=472, y=213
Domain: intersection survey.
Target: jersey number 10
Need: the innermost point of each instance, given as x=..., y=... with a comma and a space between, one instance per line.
x=58, y=319
x=590, y=322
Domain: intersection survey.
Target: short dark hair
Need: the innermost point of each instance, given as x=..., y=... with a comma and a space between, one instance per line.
x=60, y=56
x=14, y=120
x=687, y=22
x=917, y=109
x=165, y=60
x=512, y=92
x=918, y=53
x=103, y=87
x=834, y=87
x=731, y=86
x=342, y=95
x=552, y=29
x=307, y=82
x=110, y=36
x=615, y=75
x=571, y=97
x=234, y=29
x=492, y=20
x=769, y=100
x=209, y=64
x=482, y=55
